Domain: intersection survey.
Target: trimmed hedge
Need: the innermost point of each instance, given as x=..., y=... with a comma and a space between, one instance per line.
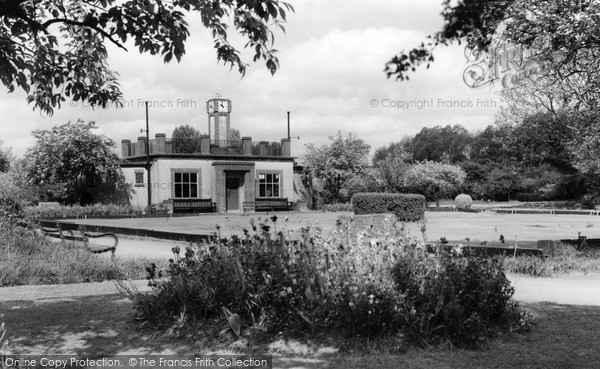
x=406, y=207
x=463, y=201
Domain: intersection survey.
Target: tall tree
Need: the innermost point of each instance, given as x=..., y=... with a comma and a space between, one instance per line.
x=332, y=165
x=67, y=157
x=561, y=35
x=390, y=163
x=57, y=49
x=185, y=139
x=449, y=143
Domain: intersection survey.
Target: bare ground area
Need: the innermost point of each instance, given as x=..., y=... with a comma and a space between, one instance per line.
x=48, y=320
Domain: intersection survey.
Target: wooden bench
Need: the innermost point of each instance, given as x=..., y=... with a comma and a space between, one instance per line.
x=194, y=206
x=65, y=232
x=267, y=205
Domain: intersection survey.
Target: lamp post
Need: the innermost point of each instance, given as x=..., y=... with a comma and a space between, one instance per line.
x=148, y=161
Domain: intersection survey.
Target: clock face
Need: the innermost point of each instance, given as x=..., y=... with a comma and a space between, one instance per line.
x=223, y=106
x=210, y=106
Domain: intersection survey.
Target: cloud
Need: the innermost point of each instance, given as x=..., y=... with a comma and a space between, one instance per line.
x=332, y=59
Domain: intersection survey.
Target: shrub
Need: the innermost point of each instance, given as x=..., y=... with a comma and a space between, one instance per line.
x=463, y=201
x=463, y=300
x=530, y=196
x=406, y=207
x=337, y=207
x=53, y=211
x=334, y=283
x=590, y=201
x=308, y=285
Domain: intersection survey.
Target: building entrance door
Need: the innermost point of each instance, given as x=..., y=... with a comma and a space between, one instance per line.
x=234, y=183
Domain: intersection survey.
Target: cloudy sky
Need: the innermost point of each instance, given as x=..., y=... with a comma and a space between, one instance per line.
x=331, y=79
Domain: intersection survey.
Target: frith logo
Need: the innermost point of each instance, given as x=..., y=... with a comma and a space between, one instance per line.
x=510, y=64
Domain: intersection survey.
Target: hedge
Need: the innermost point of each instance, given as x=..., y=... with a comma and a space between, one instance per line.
x=406, y=207
x=54, y=210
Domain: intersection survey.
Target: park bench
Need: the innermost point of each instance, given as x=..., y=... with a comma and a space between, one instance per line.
x=66, y=232
x=271, y=204
x=194, y=206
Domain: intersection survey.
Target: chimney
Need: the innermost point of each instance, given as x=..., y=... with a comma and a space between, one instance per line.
x=125, y=148
x=160, y=143
x=286, y=147
x=141, y=146
x=246, y=145
x=205, y=144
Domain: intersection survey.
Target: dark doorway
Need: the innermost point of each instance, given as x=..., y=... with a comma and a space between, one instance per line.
x=234, y=182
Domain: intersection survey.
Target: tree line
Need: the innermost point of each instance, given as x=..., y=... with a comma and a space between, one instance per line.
x=533, y=159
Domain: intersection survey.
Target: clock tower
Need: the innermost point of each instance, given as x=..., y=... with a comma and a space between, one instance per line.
x=219, y=122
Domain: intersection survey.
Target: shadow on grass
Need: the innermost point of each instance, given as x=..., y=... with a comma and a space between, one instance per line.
x=86, y=326
x=563, y=336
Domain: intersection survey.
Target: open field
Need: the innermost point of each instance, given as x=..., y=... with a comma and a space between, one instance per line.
x=563, y=336
x=485, y=226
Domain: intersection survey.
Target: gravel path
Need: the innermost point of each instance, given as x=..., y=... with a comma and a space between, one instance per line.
x=565, y=291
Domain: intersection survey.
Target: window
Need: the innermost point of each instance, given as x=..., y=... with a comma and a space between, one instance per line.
x=268, y=185
x=186, y=185
x=139, y=179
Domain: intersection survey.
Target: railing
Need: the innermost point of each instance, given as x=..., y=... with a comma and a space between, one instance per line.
x=217, y=147
x=226, y=147
x=266, y=148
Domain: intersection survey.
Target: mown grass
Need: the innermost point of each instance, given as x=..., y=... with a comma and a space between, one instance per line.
x=563, y=337
x=27, y=258
x=567, y=261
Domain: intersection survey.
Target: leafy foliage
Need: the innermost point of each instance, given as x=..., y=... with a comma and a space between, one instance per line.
x=448, y=144
x=54, y=50
x=5, y=158
x=338, y=207
x=391, y=163
x=460, y=299
x=406, y=207
x=331, y=166
x=562, y=35
x=469, y=20
x=185, y=139
x=463, y=201
x=67, y=156
x=434, y=180
x=76, y=211
x=343, y=282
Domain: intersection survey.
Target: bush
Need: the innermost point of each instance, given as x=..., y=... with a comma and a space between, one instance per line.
x=406, y=207
x=463, y=201
x=53, y=211
x=530, y=196
x=590, y=202
x=279, y=285
x=463, y=300
x=337, y=207
x=334, y=284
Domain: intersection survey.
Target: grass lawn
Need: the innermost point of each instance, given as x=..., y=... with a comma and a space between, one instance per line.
x=563, y=336
x=485, y=226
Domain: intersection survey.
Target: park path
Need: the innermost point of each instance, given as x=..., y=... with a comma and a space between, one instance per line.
x=572, y=290
x=582, y=290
